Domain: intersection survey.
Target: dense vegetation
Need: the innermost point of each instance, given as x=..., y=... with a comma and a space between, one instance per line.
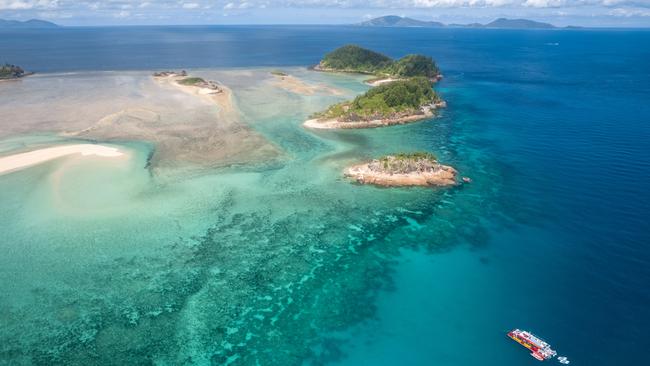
x=356, y=59
x=11, y=71
x=399, y=98
x=406, y=163
x=414, y=65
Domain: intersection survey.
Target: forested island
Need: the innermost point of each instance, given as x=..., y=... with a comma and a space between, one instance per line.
x=413, y=169
x=355, y=59
x=8, y=71
x=398, y=102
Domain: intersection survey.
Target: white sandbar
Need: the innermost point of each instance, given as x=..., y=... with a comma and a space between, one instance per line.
x=24, y=160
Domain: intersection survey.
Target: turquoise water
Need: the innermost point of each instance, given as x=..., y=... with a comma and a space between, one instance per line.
x=288, y=264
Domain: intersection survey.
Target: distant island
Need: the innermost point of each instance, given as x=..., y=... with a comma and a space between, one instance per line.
x=31, y=24
x=398, y=102
x=414, y=169
x=355, y=59
x=8, y=71
x=397, y=21
x=501, y=23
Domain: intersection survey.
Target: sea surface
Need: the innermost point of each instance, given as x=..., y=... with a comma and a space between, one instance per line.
x=289, y=264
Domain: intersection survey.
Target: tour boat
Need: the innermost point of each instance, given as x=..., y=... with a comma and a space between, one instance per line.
x=538, y=348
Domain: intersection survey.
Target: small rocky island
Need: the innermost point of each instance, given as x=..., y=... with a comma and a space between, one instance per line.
x=355, y=59
x=398, y=102
x=8, y=72
x=181, y=78
x=403, y=170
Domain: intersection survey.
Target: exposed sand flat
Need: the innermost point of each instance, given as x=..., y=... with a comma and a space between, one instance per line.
x=298, y=86
x=23, y=160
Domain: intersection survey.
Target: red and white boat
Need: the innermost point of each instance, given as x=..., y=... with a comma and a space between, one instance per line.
x=538, y=348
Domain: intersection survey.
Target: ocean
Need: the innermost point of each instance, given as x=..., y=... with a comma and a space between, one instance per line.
x=288, y=264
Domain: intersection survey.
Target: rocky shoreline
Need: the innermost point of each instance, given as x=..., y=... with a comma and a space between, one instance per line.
x=395, y=171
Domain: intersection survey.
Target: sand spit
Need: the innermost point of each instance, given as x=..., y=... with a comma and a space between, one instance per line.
x=24, y=160
x=362, y=173
x=296, y=85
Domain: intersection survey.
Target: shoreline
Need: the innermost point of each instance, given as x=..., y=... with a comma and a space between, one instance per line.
x=362, y=174
x=15, y=162
x=14, y=78
x=334, y=123
x=347, y=71
x=380, y=81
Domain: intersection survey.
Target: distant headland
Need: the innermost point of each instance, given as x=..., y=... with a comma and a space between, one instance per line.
x=28, y=24
x=501, y=23
x=403, y=170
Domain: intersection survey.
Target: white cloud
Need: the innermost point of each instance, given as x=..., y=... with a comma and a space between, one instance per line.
x=191, y=5
x=27, y=4
x=544, y=3
x=630, y=12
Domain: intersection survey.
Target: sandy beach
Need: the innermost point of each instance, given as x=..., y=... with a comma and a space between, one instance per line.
x=23, y=160
x=381, y=81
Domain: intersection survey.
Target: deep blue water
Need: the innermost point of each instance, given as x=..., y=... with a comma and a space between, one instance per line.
x=566, y=115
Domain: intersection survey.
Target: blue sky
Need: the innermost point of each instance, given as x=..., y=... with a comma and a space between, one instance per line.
x=624, y=13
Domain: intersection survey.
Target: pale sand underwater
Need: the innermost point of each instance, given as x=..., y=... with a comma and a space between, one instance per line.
x=186, y=126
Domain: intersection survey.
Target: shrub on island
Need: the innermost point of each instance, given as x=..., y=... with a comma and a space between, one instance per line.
x=404, y=163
